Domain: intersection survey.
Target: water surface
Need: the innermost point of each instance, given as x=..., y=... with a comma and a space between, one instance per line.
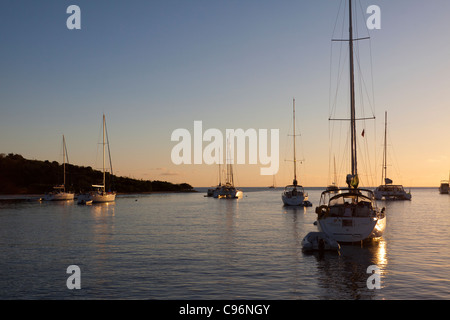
x=187, y=246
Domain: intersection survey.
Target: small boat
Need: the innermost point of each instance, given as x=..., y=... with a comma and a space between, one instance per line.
x=85, y=201
x=443, y=188
x=306, y=203
x=294, y=194
x=319, y=241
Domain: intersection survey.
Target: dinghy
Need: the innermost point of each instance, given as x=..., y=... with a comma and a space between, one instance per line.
x=319, y=241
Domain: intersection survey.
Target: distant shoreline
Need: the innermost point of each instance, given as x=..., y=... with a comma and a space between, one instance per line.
x=32, y=196
x=154, y=192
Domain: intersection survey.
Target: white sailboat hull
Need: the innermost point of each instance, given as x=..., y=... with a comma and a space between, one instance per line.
x=103, y=197
x=100, y=195
x=352, y=229
x=60, y=196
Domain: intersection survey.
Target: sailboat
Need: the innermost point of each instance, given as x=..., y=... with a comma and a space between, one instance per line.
x=228, y=190
x=333, y=186
x=273, y=183
x=389, y=191
x=60, y=190
x=213, y=192
x=352, y=214
x=100, y=194
x=294, y=194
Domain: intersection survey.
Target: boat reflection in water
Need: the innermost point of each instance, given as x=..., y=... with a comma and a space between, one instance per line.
x=347, y=274
x=342, y=273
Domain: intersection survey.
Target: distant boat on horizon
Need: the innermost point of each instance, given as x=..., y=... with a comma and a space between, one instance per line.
x=333, y=186
x=60, y=190
x=273, y=183
x=444, y=187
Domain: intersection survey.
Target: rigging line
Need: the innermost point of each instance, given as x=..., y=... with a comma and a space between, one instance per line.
x=331, y=57
x=366, y=98
x=370, y=98
x=100, y=131
x=371, y=59
x=363, y=85
x=337, y=16
x=65, y=147
x=109, y=151
x=340, y=72
x=396, y=165
x=372, y=101
x=340, y=144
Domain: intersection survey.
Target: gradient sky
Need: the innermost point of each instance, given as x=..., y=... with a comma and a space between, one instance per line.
x=155, y=66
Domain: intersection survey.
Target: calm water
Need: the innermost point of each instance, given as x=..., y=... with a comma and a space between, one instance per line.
x=186, y=246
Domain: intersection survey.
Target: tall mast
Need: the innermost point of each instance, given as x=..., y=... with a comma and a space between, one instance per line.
x=220, y=170
x=64, y=164
x=229, y=178
x=385, y=149
x=295, y=161
x=352, y=95
x=335, y=177
x=104, y=153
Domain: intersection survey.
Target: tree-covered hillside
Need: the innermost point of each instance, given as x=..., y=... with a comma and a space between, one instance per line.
x=22, y=176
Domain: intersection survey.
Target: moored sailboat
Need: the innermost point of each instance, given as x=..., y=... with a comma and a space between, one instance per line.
x=228, y=190
x=59, y=192
x=352, y=214
x=333, y=186
x=273, y=184
x=389, y=191
x=294, y=194
x=100, y=194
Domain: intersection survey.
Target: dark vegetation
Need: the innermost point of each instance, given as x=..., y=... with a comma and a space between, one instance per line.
x=22, y=176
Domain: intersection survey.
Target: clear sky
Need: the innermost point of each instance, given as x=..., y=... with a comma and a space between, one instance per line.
x=155, y=66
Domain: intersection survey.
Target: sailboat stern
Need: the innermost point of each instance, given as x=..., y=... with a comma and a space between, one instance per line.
x=352, y=229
